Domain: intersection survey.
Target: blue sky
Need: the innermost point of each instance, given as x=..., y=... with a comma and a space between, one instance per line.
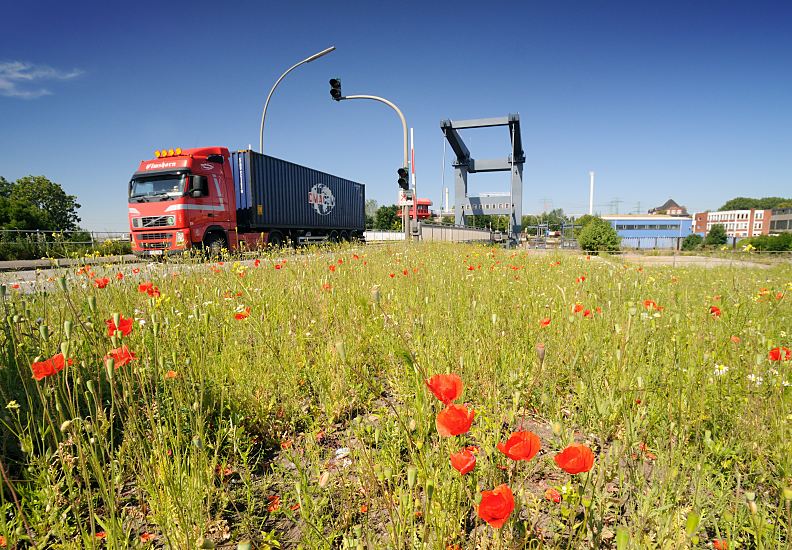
x=689, y=100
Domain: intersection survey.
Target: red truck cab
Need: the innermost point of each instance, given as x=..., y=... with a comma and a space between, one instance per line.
x=181, y=199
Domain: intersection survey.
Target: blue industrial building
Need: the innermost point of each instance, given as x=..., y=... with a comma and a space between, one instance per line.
x=650, y=231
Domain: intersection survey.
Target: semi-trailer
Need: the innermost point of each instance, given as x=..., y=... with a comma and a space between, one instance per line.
x=212, y=198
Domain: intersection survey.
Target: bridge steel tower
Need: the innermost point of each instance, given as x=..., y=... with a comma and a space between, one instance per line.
x=465, y=205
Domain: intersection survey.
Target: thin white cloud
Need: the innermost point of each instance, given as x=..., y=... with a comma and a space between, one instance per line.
x=23, y=80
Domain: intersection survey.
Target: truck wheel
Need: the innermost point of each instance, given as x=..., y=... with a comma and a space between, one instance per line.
x=214, y=244
x=275, y=239
x=345, y=236
x=333, y=237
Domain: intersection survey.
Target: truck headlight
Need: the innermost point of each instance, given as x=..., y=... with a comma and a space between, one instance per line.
x=180, y=237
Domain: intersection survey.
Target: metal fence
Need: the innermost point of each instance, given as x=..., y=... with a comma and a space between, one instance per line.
x=18, y=244
x=432, y=232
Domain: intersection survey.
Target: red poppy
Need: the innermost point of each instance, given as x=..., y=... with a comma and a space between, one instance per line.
x=135, y=270
x=578, y=308
x=720, y=544
x=53, y=365
x=119, y=276
x=124, y=325
x=587, y=313
x=545, y=322
x=464, y=461
x=101, y=283
x=445, y=387
x=121, y=356
x=652, y=305
x=332, y=268
x=454, y=420
x=405, y=272
x=326, y=286
x=278, y=266
x=580, y=279
x=274, y=503
x=101, y=535
x=552, y=495
x=599, y=310
x=496, y=506
x=779, y=354
x=715, y=311
x=154, y=292
x=145, y=287
x=171, y=374
x=239, y=315
x=575, y=459
x=256, y=262
x=521, y=446
x=735, y=339
x=147, y=537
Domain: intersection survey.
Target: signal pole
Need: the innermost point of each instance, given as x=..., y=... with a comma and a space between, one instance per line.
x=335, y=93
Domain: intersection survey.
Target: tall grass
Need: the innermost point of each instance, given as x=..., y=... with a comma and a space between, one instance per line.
x=282, y=403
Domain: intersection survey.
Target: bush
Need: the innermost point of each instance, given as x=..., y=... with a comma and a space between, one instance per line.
x=775, y=243
x=716, y=236
x=599, y=235
x=692, y=242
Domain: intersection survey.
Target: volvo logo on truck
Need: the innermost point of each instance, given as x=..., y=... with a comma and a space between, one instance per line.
x=322, y=199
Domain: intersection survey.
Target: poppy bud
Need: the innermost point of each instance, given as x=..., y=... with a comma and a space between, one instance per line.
x=430, y=488
x=64, y=349
x=752, y=507
x=67, y=328
x=412, y=473
x=44, y=331
x=62, y=283
x=90, y=385
x=375, y=295
x=114, y=340
x=540, y=352
x=92, y=303
x=117, y=319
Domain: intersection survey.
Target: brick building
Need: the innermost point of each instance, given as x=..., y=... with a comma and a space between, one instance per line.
x=738, y=223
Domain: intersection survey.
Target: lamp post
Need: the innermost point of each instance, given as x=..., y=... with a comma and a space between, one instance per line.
x=290, y=69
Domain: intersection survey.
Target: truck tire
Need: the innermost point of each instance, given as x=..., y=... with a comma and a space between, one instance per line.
x=275, y=239
x=333, y=237
x=345, y=236
x=214, y=244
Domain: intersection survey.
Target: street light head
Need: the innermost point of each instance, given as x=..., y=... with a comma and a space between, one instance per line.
x=320, y=54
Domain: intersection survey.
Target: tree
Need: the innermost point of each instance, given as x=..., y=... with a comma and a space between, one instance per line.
x=371, y=208
x=716, y=236
x=599, y=235
x=746, y=203
x=692, y=242
x=34, y=202
x=582, y=222
x=388, y=218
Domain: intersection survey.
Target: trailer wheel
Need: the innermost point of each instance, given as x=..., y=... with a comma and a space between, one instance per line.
x=333, y=238
x=214, y=244
x=275, y=239
x=345, y=235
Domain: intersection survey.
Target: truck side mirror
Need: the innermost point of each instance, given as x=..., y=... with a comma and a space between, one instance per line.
x=199, y=187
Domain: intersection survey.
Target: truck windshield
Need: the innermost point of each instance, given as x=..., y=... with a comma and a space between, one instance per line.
x=162, y=187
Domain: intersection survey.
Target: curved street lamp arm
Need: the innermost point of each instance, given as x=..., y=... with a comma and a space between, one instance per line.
x=290, y=69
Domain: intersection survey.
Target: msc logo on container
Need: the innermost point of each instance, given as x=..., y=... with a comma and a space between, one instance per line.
x=322, y=199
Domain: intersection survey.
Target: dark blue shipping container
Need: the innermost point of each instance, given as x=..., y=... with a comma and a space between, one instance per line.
x=275, y=194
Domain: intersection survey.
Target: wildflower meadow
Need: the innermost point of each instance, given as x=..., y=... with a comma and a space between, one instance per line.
x=429, y=396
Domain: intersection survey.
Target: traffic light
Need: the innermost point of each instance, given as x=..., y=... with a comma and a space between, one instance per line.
x=335, y=88
x=404, y=182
